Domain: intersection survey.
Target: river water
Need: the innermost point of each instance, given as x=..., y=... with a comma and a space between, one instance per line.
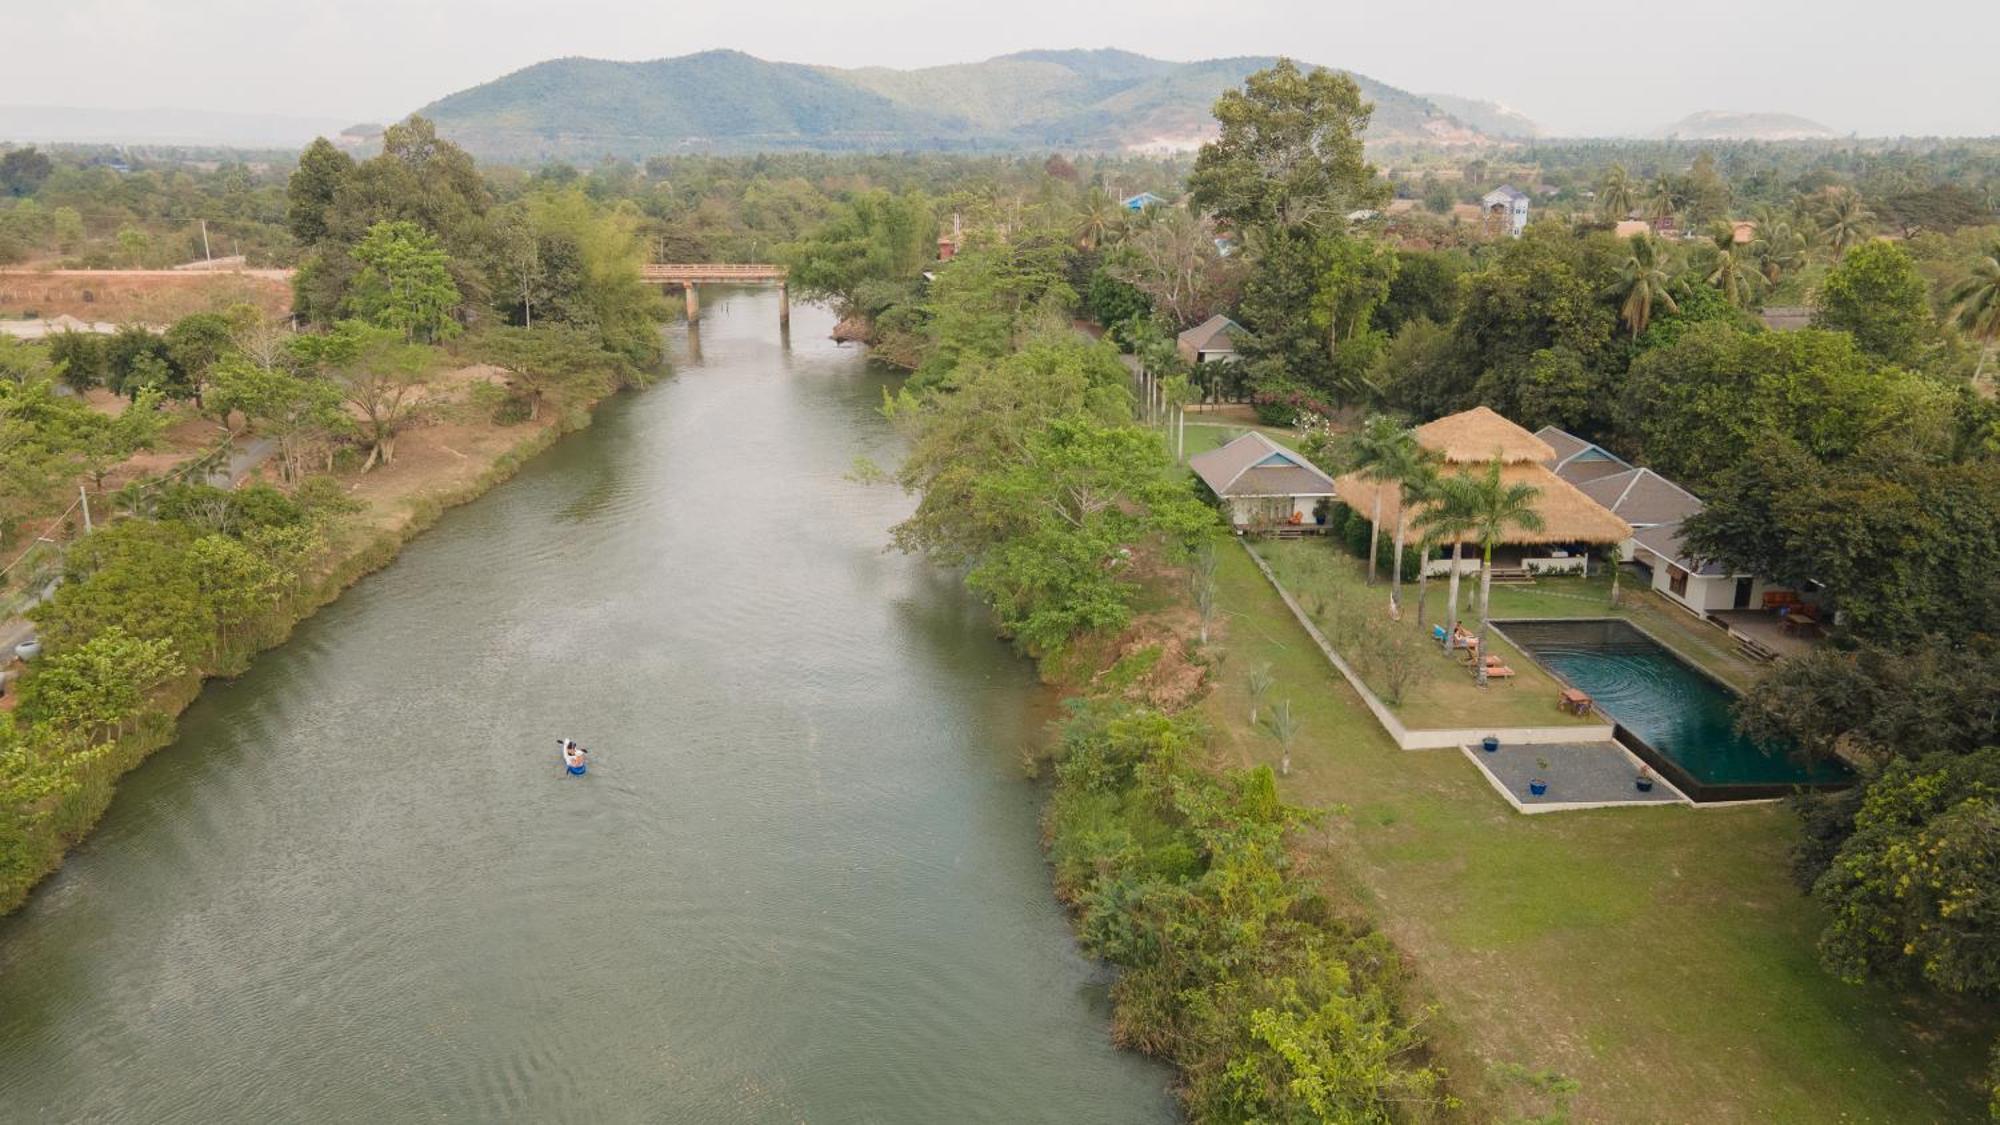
x=799, y=883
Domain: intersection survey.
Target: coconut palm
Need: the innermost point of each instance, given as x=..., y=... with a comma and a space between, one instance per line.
x=1614, y=196
x=1846, y=221
x=1732, y=272
x=1415, y=477
x=1776, y=245
x=1642, y=284
x=1380, y=450
x=1493, y=508
x=1447, y=518
x=1662, y=200
x=1260, y=684
x=1975, y=304
x=1101, y=220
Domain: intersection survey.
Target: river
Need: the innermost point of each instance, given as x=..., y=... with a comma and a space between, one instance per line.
x=800, y=882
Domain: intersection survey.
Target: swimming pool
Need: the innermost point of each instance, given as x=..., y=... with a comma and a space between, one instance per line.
x=1674, y=715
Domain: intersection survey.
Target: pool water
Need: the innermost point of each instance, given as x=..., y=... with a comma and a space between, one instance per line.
x=1685, y=715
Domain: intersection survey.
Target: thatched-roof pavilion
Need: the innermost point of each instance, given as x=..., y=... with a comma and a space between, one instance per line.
x=1470, y=441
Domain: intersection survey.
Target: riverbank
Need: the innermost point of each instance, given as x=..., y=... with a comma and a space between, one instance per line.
x=463, y=454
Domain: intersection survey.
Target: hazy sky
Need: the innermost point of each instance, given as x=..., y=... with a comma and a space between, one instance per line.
x=1909, y=66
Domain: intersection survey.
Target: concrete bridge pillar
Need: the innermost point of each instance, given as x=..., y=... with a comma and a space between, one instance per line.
x=784, y=305
x=693, y=294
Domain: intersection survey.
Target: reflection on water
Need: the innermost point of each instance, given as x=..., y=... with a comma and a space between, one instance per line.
x=799, y=882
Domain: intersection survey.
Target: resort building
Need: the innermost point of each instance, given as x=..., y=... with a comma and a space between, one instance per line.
x=1468, y=443
x=1211, y=341
x=1654, y=507
x=1141, y=201
x=1262, y=485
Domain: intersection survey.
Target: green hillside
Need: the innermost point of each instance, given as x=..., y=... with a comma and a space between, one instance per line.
x=726, y=101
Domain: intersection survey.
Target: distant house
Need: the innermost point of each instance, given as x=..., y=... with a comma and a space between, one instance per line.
x=1468, y=443
x=1142, y=201
x=1626, y=228
x=1506, y=211
x=1261, y=483
x=1742, y=231
x=1655, y=508
x=1786, y=318
x=1211, y=341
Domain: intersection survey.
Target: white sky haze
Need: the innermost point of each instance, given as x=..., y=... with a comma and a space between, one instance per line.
x=1912, y=67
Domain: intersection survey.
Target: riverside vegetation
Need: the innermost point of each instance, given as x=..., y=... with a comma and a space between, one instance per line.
x=411, y=273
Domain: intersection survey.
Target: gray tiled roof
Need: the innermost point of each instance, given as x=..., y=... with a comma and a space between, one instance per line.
x=1254, y=465
x=1642, y=497
x=1201, y=336
x=1665, y=541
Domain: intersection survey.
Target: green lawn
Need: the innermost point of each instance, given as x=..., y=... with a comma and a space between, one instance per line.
x=1328, y=582
x=1660, y=955
x=1204, y=436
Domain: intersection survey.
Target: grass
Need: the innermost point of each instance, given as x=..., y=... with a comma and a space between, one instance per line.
x=1659, y=956
x=1324, y=578
x=1203, y=436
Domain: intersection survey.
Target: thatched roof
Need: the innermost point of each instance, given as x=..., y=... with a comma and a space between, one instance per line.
x=1568, y=516
x=1476, y=436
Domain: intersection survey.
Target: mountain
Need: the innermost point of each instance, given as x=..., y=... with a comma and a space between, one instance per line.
x=1722, y=125
x=44, y=123
x=727, y=101
x=1490, y=118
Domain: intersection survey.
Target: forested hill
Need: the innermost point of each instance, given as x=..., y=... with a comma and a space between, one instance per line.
x=727, y=101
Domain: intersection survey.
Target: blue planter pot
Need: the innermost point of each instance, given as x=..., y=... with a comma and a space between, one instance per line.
x=1643, y=784
x=1538, y=788
x=1489, y=744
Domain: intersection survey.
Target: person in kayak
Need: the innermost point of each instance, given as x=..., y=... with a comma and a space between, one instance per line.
x=574, y=757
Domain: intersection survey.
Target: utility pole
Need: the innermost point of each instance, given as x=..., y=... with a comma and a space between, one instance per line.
x=85, y=497
x=205, y=255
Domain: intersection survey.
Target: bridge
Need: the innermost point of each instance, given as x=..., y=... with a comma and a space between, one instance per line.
x=691, y=276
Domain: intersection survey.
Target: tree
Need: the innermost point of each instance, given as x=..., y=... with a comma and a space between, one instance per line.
x=1915, y=891
x=1975, y=305
x=1413, y=471
x=1289, y=154
x=95, y=689
x=383, y=380
x=1285, y=728
x=80, y=357
x=1173, y=259
x=404, y=283
x=1732, y=272
x=1492, y=508
x=1845, y=222
x=1615, y=197
x=1663, y=200
x=194, y=345
x=1100, y=220
x=1382, y=449
x=310, y=193
x=302, y=412
x=24, y=170
x=1642, y=284
x=554, y=360
x=1876, y=294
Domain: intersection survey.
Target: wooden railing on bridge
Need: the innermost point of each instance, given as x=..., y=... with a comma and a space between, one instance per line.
x=690, y=276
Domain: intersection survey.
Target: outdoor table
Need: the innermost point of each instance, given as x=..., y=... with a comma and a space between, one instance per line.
x=1574, y=701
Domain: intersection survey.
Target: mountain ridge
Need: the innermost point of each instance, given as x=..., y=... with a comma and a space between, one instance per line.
x=730, y=101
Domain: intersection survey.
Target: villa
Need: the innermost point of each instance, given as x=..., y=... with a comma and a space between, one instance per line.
x=1655, y=508
x=1468, y=443
x=1262, y=485
x=1506, y=210
x=1211, y=341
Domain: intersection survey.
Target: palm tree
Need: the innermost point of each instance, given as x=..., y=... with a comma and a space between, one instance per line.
x=1642, y=283
x=1101, y=220
x=1614, y=195
x=1379, y=451
x=1975, y=306
x=1732, y=272
x=1284, y=728
x=1494, y=508
x=1777, y=245
x=1415, y=476
x=1662, y=200
x=1847, y=221
x=1447, y=517
x=1261, y=681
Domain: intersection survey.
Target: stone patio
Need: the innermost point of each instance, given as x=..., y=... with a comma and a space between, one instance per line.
x=1581, y=775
